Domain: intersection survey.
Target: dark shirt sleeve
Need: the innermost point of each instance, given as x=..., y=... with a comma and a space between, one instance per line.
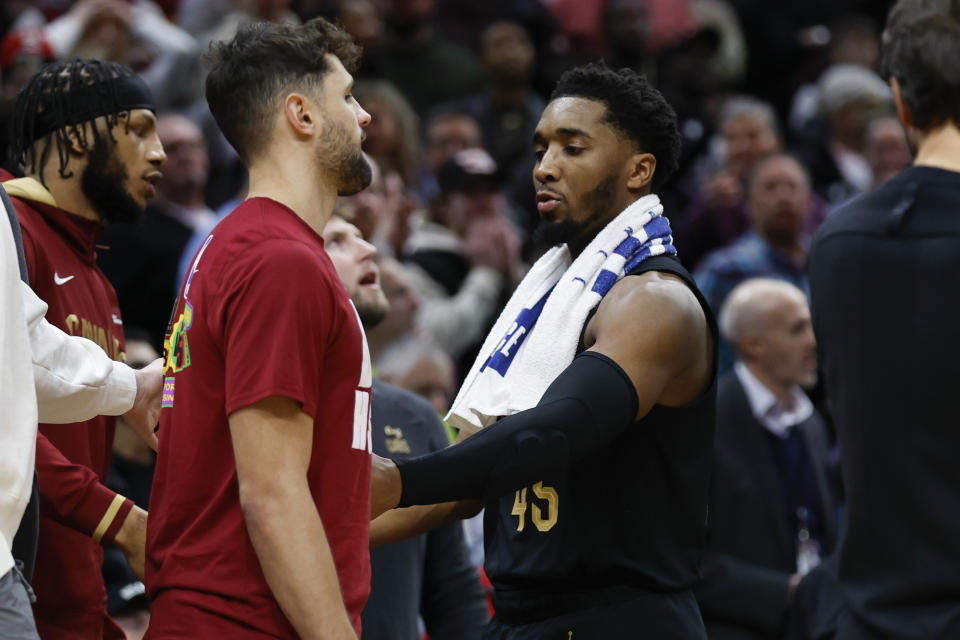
x=72, y=495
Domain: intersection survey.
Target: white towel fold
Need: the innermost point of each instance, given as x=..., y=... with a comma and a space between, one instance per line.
x=537, y=334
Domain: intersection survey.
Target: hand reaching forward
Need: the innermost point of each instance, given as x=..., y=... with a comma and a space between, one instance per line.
x=145, y=414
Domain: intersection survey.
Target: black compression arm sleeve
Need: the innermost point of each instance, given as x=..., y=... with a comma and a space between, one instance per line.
x=588, y=405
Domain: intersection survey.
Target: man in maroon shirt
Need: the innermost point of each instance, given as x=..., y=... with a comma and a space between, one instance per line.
x=260, y=509
x=84, y=132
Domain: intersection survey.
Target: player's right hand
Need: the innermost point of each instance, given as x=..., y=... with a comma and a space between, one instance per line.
x=385, y=486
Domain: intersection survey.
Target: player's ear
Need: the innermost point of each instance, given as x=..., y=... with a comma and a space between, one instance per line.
x=903, y=111
x=641, y=169
x=298, y=112
x=75, y=137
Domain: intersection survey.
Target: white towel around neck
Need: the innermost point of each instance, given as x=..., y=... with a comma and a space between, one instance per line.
x=550, y=345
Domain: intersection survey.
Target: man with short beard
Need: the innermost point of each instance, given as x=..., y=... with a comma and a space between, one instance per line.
x=260, y=508
x=84, y=133
x=593, y=396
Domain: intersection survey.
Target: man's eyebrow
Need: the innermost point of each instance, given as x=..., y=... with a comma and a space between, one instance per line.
x=566, y=132
x=570, y=132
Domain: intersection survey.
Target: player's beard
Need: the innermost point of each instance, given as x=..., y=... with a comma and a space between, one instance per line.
x=103, y=182
x=577, y=234
x=341, y=158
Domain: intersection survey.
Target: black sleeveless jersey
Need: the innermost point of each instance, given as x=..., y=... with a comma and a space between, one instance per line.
x=629, y=519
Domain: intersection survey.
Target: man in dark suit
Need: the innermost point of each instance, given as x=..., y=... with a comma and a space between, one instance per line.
x=772, y=505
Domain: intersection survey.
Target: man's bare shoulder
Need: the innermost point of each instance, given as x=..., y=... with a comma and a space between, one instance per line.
x=653, y=303
x=654, y=326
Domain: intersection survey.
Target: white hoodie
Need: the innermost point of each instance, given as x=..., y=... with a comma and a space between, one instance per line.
x=69, y=378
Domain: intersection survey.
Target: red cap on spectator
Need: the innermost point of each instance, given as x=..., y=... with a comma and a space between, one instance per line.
x=22, y=43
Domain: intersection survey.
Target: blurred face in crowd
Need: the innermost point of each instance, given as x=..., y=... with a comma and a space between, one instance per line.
x=119, y=177
x=402, y=298
x=188, y=165
x=430, y=377
x=338, y=145
x=779, y=200
x=449, y=134
x=747, y=138
x=361, y=19
x=885, y=148
x=383, y=134
x=353, y=258
x=581, y=172
x=626, y=27
x=784, y=346
x=507, y=52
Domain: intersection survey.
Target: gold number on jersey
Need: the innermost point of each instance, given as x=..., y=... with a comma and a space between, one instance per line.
x=520, y=506
x=553, y=507
x=536, y=513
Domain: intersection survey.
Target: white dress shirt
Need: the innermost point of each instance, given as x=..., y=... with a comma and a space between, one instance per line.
x=768, y=409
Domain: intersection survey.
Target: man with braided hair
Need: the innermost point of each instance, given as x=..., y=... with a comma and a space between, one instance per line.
x=84, y=134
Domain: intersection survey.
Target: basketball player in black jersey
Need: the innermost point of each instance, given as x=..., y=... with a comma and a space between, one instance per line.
x=612, y=465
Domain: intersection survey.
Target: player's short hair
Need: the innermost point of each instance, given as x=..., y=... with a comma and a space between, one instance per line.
x=921, y=46
x=61, y=99
x=634, y=107
x=252, y=72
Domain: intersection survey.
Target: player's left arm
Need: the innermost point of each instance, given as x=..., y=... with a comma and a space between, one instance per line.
x=650, y=344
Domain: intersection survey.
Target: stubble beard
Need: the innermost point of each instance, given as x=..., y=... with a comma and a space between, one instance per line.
x=372, y=309
x=343, y=160
x=577, y=234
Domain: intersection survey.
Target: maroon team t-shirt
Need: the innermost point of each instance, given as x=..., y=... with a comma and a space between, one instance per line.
x=261, y=313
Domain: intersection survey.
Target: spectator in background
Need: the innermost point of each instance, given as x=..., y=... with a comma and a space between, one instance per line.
x=393, y=137
x=142, y=259
x=773, y=505
x=430, y=574
x=418, y=364
x=850, y=96
x=22, y=53
x=404, y=301
x=135, y=34
x=463, y=261
x=446, y=133
x=507, y=111
x=778, y=200
x=426, y=68
x=748, y=131
x=885, y=148
x=382, y=211
x=362, y=20
x=85, y=134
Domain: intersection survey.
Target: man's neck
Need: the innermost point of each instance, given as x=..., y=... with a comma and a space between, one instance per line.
x=940, y=148
x=783, y=393
x=67, y=193
x=291, y=182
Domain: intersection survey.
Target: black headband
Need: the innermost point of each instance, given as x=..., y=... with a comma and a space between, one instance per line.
x=94, y=100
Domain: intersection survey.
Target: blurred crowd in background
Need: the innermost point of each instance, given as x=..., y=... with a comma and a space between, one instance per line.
x=783, y=113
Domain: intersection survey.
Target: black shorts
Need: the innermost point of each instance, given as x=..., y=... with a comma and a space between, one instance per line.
x=653, y=616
